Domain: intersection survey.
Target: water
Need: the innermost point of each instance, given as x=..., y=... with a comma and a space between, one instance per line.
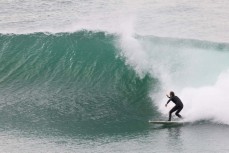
x=86, y=76
x=191, y=138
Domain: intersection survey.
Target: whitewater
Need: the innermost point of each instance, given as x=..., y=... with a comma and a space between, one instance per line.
x=86, y=76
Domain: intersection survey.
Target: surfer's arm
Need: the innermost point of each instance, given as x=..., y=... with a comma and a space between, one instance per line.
x=167, y=102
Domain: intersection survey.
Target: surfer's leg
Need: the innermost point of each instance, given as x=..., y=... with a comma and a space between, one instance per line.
x=178, y=111
x=171, y=111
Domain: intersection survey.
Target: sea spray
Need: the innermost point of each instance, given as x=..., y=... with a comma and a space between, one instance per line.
x=195, y=70
x=195, y=74
x=208, y=102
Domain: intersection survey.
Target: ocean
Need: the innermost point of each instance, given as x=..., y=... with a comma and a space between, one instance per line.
x=87, y=76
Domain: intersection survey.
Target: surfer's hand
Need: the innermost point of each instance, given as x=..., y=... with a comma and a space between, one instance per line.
x=168, y=96
x=165, y=105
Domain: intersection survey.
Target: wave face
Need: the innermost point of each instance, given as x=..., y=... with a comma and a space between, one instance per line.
x=70, y=82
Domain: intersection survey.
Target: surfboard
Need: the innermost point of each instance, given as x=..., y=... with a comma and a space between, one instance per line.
x=167, y=122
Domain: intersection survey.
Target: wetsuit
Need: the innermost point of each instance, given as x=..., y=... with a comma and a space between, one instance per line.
x=178, y=106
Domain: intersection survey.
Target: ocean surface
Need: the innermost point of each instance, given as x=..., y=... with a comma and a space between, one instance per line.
x=86, y=76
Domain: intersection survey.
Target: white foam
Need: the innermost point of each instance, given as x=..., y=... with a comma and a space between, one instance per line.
x=208, y=102
x=205, y=102
x=200, y=77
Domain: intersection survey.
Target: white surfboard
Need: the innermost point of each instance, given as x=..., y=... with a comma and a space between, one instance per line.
x=167, y=122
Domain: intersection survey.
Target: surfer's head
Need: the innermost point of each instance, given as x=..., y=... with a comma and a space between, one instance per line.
x=172, y=94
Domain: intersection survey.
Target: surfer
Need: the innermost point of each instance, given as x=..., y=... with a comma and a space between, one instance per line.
x=178, y=105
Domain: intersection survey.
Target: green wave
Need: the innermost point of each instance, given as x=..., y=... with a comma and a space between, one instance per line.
x=69, y=81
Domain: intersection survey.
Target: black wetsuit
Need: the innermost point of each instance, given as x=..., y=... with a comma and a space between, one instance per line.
x=178, y=106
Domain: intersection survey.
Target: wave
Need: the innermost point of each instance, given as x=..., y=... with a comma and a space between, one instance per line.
x=90, y=80
x=70, y=80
